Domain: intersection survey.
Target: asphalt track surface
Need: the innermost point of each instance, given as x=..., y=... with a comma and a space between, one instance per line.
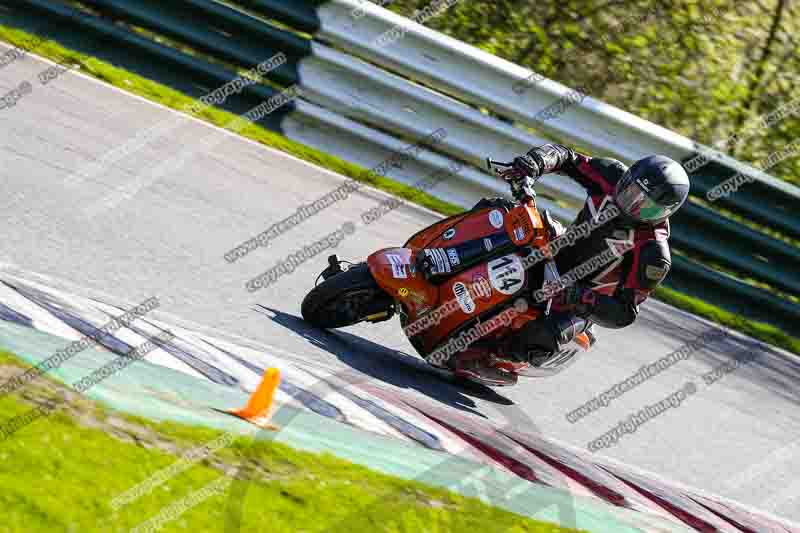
x=166, y=237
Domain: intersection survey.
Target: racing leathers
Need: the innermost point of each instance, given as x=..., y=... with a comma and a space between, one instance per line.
x=608, y=295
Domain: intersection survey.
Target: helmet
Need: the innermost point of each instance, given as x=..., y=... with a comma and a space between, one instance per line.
x=652, y=189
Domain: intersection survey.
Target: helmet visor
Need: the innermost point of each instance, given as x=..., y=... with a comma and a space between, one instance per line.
x=634, y=201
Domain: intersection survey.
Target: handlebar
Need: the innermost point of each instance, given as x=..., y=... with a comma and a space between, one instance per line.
x=521, y=188
x=497, y=166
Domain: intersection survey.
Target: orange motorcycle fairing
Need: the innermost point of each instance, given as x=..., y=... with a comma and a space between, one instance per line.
x=458, y=229
x=425, y=237
x=525, y=227
x=470, y=295
x=393, y=270
x=466, y=296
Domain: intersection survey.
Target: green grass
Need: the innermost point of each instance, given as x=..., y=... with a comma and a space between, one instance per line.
x=757, y=330
x=177, y=100
x=61, y=473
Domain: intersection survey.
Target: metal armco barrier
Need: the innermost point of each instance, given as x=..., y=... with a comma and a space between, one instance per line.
x=358, y=103
x=759, y=201
x=736, y=247
x=724, y=291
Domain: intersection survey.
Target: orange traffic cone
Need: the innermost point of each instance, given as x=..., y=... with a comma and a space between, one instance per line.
x=260, y=403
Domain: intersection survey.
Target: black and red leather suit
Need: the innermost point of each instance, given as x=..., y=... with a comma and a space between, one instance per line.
x=609, y=296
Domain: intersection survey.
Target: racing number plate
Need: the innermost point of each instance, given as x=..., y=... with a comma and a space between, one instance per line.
x=507, y=274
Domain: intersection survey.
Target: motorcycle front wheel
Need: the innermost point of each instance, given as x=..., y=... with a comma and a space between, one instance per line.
x=347, y=298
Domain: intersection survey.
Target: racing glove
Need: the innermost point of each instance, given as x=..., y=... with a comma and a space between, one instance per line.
x=538, y=161
x=577, y=298
x=522, y=167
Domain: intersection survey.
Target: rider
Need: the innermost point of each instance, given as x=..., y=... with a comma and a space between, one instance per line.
x=646, y=194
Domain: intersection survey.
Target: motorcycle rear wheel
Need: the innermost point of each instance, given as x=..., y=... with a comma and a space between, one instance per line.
x=345, y=299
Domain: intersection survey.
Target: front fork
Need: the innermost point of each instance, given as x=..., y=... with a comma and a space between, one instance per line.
x=378, y=309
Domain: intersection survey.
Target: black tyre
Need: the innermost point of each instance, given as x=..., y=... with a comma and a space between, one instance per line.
x=344, y=299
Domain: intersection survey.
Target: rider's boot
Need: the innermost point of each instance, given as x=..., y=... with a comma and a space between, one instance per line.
x=539, y=340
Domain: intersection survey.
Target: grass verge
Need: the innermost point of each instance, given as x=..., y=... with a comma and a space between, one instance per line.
x=176, y=100
x=62, y=472
x=757, y=330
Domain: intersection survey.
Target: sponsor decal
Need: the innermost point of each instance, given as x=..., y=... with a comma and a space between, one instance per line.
x=496, y=218
x=452, y=254
x=487, y=243
x=521, y=223
x=507, y=275
x=398, y=266
x=656, y=273
x=463, y=297
x=449, y=234
x=480, y=288
x=412, y=297
x=440, y=259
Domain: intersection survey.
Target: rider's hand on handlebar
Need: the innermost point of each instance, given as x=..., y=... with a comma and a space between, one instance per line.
x=522, y=167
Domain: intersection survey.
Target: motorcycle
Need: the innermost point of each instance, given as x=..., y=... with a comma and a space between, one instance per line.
x=447, y=310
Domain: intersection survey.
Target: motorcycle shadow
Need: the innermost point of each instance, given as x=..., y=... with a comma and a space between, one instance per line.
x=390, y=366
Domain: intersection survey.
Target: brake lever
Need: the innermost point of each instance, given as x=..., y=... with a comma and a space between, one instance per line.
x=498, y=167
x=491, y=164
x=520, y=189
